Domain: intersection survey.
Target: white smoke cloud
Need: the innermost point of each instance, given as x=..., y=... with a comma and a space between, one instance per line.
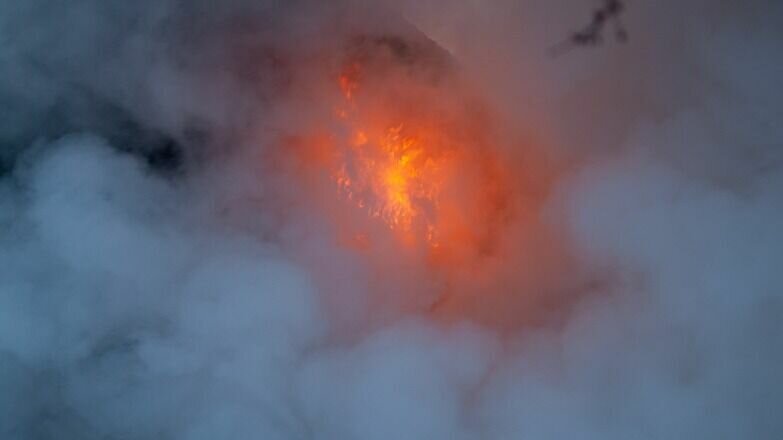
x=204, y=296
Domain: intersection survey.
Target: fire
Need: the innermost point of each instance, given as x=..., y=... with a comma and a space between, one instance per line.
x=406, y=168
x=389, y=170
x=405, y=163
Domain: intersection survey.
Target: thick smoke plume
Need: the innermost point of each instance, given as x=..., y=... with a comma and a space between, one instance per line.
x=175, y=262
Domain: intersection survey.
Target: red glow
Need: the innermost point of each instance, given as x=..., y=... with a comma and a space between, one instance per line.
x=412, y=175
x=412, y=171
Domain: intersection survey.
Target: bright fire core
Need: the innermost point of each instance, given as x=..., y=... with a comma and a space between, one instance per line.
x=389, y=170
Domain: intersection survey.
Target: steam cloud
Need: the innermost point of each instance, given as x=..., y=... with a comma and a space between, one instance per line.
x=164, y=275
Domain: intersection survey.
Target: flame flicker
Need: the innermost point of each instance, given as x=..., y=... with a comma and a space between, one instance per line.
x=404, y=154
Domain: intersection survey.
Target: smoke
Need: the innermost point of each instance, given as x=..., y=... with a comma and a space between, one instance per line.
x=174, y=262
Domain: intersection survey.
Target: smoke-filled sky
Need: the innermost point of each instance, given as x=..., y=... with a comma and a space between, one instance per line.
x=194, y=244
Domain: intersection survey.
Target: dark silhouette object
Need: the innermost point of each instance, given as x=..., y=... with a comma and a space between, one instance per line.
x=592, y=34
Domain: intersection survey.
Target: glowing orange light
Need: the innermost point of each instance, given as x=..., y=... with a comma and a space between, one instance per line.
x=388, y=172
x=410, y=170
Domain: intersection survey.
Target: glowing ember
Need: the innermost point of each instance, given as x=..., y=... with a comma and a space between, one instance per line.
x=389, y=171
x=416, y=157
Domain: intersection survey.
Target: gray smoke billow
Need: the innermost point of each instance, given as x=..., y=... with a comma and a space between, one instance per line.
x=163, y=274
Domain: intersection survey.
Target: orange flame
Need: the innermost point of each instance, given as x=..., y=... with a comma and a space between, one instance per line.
x=389, y=172
x=418, y=164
